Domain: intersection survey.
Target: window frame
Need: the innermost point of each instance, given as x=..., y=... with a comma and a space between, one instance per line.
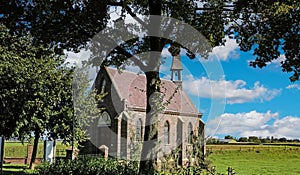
x=190, y=133
x=167, y=133
x=139, y=127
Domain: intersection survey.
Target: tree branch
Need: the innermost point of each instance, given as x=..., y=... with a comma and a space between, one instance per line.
x=212, y=9
x=133, y=58
x=128, y=9
x=113, y=3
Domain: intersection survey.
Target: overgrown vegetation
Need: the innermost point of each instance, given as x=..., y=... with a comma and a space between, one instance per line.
x=170, y=164
x=98, y=166
x=36, y=91
x=87, y=165
x=196, y=163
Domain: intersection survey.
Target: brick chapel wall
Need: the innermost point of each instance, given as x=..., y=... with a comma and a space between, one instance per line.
x=112, y=104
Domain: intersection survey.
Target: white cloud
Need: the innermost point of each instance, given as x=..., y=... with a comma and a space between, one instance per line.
x=165, y=52
x=225, y=52
x=293, y=86
x=277, y=62
x=77, y=58
x=233, y=91
x=254, y=123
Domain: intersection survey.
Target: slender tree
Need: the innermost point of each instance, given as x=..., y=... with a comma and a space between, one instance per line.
x=35, y=91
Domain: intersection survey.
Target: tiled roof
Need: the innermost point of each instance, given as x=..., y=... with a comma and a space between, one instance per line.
x=132, y=87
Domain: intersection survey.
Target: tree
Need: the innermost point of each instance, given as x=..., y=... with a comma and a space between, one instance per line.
x=282, y=139
x=36, y=91
x=243, y=139
x=265, y=140
x=253, y=139
x=69, y=25
x=228, y=137
x=55, y=14
x=85, y=102
x=271, y=29
x=37, y=95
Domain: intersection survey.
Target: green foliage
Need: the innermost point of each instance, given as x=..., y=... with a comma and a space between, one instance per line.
x=16, y=169
x=85, y=101
x=228, y=137
x=98, y=166
x=254, y=139
x=88, y=165
x=63, y=24
x=35, y=89
x=191, y=170
x=197, y=162
x=271, y=28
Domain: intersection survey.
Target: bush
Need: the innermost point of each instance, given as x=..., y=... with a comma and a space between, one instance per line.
x=87, y=166
x=99, y=166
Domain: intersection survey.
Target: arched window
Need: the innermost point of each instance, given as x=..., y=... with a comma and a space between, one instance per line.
x=104, y=120
x=139, y=130
x=167, y=133
x=190, y=133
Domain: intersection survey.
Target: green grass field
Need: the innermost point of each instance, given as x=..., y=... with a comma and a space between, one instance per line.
x=17, y=149
x=256, y=159
x=244, y=159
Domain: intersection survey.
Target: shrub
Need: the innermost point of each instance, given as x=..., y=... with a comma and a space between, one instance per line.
x=100, y=166
x=87, y=166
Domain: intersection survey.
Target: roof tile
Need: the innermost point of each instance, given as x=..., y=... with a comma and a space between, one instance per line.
x=132, y=87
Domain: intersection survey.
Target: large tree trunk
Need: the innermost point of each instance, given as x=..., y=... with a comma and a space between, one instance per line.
x=149, y=147
x=35, y=147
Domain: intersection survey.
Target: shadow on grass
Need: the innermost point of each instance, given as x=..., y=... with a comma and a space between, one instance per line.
x=15, y=169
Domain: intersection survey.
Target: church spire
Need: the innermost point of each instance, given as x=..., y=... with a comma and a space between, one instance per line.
x=176, y=71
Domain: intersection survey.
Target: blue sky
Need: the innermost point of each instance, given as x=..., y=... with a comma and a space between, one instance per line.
x=244, y=101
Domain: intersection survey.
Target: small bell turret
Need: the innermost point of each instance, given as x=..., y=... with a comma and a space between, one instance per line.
x=176, y=71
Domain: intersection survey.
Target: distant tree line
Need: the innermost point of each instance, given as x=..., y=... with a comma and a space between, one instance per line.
x=253, y=139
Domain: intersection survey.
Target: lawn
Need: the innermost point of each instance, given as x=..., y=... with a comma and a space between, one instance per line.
x=258, y=160
x=17, y=149
x=16, y=169
x=244, y=159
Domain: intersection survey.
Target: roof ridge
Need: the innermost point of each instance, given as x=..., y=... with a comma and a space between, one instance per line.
x=138, y=74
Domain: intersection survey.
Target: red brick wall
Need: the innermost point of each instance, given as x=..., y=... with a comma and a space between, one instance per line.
x=23, y=160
